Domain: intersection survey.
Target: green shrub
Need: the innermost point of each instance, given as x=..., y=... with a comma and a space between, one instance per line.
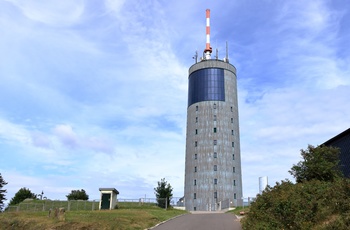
x=309, y=205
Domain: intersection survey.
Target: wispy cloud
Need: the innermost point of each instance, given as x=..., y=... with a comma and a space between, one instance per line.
x=53, y=14
x=95, y=93
x=39, y=139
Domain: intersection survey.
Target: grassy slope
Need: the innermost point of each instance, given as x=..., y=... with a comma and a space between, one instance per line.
x=114, y=219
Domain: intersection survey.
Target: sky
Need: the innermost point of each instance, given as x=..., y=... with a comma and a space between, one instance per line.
x=93, y=93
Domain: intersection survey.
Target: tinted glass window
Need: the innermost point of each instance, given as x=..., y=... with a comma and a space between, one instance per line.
x=206, y=85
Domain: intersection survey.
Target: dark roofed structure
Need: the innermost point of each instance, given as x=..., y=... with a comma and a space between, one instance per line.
x=342, y=141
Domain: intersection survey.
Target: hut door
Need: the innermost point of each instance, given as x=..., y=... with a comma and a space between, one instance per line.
x=106, y=201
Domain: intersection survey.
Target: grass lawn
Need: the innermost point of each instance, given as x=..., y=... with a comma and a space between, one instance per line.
x=141, y=218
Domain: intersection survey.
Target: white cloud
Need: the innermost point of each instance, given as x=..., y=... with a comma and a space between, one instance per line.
x=60, y=13
x=13, y=133
x=66, y=135
x=39, y=139
x=114, y=5
x=99, y=145
x=312, y=18
x=307, y=44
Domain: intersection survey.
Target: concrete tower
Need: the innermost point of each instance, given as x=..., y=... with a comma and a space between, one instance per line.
x=263, y=182
x=213, y=177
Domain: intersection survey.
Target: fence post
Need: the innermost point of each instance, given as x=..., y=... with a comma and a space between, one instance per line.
x=166, y=203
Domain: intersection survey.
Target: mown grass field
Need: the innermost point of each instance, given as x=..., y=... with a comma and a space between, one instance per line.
x=136, y=218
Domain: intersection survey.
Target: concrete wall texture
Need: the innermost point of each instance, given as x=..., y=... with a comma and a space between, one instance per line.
x=213, y=159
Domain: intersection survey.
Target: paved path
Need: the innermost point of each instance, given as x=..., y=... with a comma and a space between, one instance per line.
x=210, y=221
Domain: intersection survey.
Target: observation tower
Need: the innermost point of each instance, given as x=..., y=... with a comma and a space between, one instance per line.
x=213, y=179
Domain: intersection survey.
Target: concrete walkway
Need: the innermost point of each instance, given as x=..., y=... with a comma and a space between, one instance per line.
x=202, y=221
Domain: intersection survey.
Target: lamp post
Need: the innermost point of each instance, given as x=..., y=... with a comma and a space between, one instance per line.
x=41, y=195
x=243, y=202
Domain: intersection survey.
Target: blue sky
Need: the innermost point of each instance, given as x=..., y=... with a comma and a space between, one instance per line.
x=94, y=93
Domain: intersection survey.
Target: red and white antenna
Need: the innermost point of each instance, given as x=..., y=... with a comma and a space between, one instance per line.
x=208, y=49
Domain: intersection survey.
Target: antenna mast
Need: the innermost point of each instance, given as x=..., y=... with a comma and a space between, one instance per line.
x=226, y=58
x=208, y=50
x=195, y=56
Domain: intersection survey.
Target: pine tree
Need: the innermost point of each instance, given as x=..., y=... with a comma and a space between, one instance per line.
x=163, y=193
x=2, y=192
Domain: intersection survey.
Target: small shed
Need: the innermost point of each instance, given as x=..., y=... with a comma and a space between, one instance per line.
x=108, y=198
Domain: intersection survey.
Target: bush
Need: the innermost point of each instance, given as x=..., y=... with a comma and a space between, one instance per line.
x=78, y=195
x=319, y=163
x=21, y=195
x=309, y=205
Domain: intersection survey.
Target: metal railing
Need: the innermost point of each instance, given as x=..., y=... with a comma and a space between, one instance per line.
x=46, y=205
x=75, y=205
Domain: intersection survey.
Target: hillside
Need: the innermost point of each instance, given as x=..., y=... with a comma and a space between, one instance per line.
x=118, y=219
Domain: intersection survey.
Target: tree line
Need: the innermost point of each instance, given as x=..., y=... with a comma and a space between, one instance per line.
x=26, y=193
x=163, y=194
